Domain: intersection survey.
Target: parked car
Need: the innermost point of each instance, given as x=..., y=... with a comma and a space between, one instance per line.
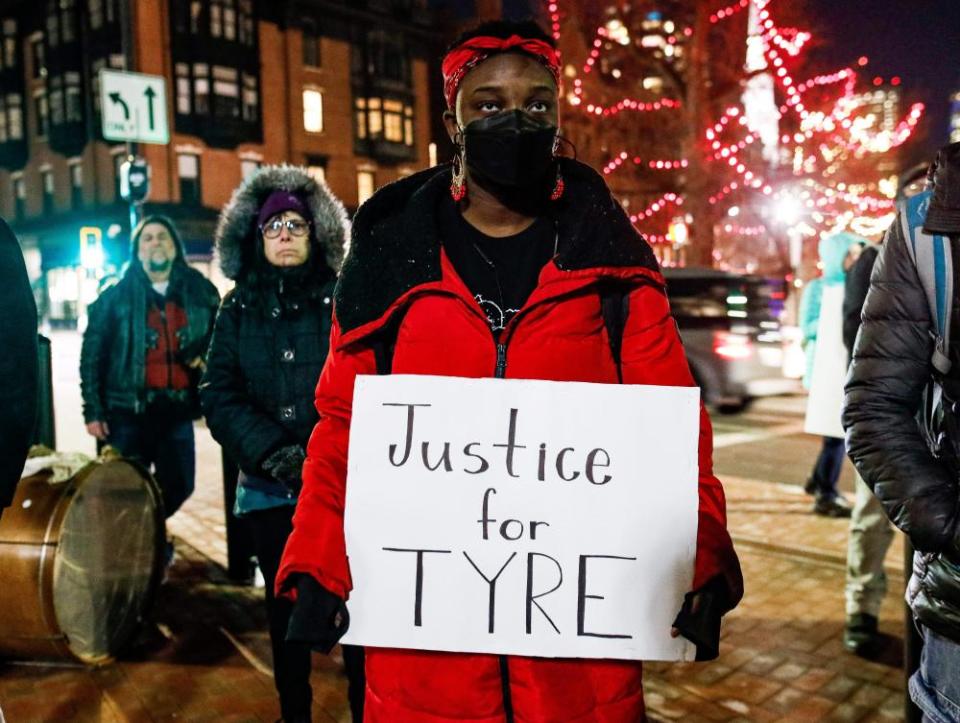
x=731, y=328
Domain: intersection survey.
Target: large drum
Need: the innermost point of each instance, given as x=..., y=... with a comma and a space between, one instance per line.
x=79, y=562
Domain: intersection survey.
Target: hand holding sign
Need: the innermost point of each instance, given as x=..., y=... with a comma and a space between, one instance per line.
x=521, y=517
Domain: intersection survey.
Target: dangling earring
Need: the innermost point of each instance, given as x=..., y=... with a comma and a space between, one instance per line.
x=458, y=186
x=558, y=184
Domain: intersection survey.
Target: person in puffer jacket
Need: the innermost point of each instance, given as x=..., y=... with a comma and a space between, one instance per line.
x=281, y=239
x=493, y=267
x=892, y=366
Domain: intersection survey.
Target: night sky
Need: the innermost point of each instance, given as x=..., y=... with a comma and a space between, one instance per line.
x=919, y=40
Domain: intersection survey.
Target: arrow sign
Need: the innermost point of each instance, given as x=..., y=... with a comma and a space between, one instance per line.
x=115, y=98
x=150, y=94
x=134, y=107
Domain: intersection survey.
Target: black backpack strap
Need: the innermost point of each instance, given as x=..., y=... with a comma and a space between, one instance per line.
x=615, y=306
x=384, y=342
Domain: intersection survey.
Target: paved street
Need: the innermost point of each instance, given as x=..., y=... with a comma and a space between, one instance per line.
x=205, y=655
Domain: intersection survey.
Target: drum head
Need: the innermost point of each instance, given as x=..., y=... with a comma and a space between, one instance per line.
x=107, y=560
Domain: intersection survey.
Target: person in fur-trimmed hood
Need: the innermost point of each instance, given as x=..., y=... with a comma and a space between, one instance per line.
x=495, y=267
x=281, y=238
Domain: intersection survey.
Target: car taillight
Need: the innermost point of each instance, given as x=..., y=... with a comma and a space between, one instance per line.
x=732, y=346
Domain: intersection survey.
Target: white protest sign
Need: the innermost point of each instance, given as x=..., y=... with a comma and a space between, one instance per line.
x=553, y=519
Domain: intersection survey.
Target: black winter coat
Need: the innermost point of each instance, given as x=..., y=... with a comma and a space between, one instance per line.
x=113, y=356
x=272, y=332
x=262, y=370
x=890, y=368
x=855, y=288
x=18, y=364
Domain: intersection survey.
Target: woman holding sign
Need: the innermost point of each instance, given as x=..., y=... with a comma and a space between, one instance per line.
x=514, y=263
x=281, y=239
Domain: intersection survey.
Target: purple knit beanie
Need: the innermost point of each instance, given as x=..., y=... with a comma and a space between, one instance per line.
x=279, y=202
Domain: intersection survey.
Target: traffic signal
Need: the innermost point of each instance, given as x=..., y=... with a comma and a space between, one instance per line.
x=91, y=247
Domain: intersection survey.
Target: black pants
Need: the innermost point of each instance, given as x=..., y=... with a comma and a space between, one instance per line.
x=353, y=663
x=291, y=662
x=163, y=443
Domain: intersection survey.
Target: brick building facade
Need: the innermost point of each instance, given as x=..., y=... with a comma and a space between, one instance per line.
x=341, y=87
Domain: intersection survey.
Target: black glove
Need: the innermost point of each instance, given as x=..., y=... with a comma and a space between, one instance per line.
x=285, y=465
x=319, y=618
x=702, y=628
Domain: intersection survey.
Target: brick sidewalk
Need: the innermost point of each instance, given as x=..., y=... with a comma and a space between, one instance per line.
x=206, y=655
x=782, y=657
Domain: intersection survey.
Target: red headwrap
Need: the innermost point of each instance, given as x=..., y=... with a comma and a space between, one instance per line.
x=467, y=55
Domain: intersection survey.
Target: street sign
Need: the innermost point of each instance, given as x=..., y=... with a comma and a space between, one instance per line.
x=133, y=107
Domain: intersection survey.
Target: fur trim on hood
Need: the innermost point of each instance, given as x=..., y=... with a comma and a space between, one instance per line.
x=236, y=229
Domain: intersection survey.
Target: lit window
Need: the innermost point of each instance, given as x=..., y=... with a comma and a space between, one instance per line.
x=226, y=92
x=183, y=88
x=366, y=184
x=393, y=121
x=245, y=26
x=374, y=118
x=251, y=99
x=19, y=198
x=201, y=88
x=73, y=98
x=188, y=169
x=312, y=111
x=361, y=113
x=230, y=19
x=317, y=168
x=56, y=100
x=196, y=7
x=216, y=18
x=9, y=50
x=15, y=117
x=46, y=178
x=408, y=126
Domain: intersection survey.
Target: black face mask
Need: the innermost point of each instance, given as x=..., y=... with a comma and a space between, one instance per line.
x=511, y=155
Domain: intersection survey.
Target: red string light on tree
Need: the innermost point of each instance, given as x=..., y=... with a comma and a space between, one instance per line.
x=661, y=203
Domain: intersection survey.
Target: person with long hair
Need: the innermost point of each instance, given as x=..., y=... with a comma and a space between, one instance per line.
x=495, y=266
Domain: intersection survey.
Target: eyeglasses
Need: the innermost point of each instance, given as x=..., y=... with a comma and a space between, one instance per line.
x=296, y=228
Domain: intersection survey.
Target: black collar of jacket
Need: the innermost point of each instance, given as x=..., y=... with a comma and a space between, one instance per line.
x=395, y=244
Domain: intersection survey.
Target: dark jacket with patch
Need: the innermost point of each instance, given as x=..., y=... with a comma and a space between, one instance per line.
x=890, y=368
x=272, y=331
x=399, y=282
x=115, y=343
x=18, y=364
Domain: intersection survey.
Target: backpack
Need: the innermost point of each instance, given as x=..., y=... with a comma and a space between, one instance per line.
x=614, y=305
x=932, y=257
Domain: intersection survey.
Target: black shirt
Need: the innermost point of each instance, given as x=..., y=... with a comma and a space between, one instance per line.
x=501, y=272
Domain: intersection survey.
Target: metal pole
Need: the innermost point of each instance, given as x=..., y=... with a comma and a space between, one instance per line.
x=129, y=62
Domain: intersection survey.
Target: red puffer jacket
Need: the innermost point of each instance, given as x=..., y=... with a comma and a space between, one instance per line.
x=397, y=278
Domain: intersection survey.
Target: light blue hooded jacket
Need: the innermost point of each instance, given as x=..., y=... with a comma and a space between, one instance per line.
x=833, y=250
